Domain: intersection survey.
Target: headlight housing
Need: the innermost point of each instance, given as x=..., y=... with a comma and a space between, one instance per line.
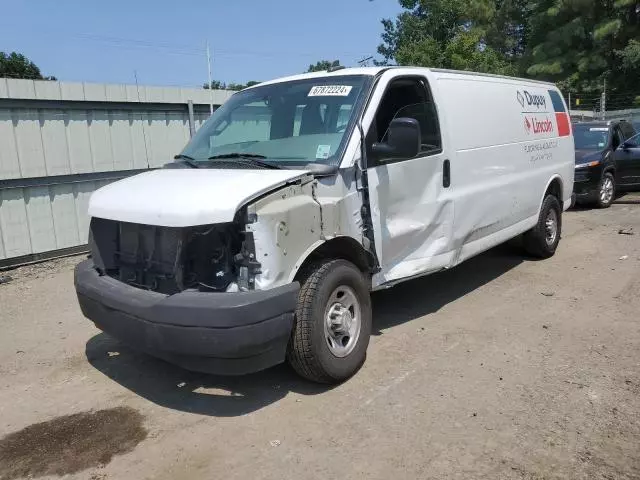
x=594, y=163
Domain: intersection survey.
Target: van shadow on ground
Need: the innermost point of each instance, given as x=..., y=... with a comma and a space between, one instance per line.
x=172, y=387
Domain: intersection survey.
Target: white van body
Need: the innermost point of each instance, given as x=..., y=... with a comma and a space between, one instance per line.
x=491, y=150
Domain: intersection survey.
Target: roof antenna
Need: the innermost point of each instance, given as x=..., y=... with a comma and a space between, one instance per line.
x=365, y=61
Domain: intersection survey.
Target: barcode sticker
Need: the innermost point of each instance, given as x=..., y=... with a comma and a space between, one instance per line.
x=330, y=91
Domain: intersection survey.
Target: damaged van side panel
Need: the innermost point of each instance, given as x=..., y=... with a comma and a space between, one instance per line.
x=285, y=224
x=290, y=224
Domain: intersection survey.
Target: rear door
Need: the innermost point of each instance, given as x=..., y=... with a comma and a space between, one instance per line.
x=628, y=162
x=411, y=213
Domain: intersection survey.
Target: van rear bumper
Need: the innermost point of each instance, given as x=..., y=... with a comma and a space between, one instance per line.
x=220, y=333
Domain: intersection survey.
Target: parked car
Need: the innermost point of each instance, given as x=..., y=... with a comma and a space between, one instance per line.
x=603, y=162
x=301, y=195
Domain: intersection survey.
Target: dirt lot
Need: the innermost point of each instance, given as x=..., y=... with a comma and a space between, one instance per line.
x=503, y=368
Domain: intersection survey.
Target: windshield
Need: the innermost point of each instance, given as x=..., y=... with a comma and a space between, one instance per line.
x=287, y=124
x=590, y=138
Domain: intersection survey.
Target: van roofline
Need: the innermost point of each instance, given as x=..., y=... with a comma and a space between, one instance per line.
x=491, y=75
x=373, y=71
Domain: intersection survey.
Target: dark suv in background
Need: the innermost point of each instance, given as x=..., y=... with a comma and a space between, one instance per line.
x=607, y=159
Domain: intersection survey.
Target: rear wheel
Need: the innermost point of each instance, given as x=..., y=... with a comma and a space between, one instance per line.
x=332, y=323
x=542, y=240
x=606, y=190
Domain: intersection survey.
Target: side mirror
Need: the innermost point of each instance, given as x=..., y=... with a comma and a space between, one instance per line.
x=627, y=145
x=403, y=140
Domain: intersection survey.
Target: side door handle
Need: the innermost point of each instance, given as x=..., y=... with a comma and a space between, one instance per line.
x=446, y=174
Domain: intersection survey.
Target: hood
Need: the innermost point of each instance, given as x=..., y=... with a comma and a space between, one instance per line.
x=588, y=155
x=183, y=198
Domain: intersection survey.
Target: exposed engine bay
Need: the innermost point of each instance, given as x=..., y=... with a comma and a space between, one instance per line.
x=169, y=260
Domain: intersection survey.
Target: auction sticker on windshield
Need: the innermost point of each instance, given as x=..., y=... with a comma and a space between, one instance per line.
x=330, y=91
x=323, y=152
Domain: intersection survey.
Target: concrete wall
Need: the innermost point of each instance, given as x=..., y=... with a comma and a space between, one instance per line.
x=59, y=141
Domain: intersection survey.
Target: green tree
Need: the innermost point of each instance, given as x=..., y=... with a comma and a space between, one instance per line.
x=218, y=85
x=215, y=85
x=324, y=65
x=448, y=34
x=582, y=43
x=16, y=65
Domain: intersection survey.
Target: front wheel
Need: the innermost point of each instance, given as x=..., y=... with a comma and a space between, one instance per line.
x=332, y=322
x=542, y=240
x=606, y=190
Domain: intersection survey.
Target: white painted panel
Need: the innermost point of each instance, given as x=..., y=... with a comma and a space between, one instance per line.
x=171, y=95
x=139, y=145
x=82, y=193
x=95, y=92
x=120, y=132
x=116, y=93
x=9, y=164
x=4, y=90
x=65, y=221
x=2, y=254
x=157, y=134
x=132, y=93
x=80, y=157
x=54, y=141
x=200, y=119
x=47, y=90
x=13, y=223
x=20, y=88
x=29, y=142
x=155, y=94
x=100, y=141
x=177, y=134
x=38, y=205
x=72, y=91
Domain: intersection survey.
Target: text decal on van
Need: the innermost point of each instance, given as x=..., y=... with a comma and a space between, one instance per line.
x=531, y=100
x=330, y=91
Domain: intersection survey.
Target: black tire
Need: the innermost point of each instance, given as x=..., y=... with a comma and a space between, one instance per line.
x=607, y=200
x=536, y=242
x=308, y=351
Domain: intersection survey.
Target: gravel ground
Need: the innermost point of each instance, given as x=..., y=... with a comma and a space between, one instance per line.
x=502, y=368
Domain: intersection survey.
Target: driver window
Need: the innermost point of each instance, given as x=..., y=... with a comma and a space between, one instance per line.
x=408, y=97
x=617, y=138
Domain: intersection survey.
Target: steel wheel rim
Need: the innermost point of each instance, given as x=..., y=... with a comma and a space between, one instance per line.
x=606, y=190
x=551, y=227
x=342, y=321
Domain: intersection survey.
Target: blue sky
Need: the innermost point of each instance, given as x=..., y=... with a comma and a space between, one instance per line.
x=86, y=40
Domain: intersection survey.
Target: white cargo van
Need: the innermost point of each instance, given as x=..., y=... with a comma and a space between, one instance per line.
x=300, y=196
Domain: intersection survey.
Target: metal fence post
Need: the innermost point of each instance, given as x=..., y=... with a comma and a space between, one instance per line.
x=192, y=120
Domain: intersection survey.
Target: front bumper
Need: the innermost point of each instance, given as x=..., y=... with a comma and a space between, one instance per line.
x=220, y=333
x=586, y=184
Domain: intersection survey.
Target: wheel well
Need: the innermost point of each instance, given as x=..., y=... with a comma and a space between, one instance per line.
x=555, y=189
x=345, y=248
x=611, y=169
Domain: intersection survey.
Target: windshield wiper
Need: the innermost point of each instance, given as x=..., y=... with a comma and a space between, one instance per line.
x=250, y=158
x=188, y=160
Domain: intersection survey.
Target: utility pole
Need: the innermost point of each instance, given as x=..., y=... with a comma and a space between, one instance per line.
x=603, y=100
x=210, y=80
